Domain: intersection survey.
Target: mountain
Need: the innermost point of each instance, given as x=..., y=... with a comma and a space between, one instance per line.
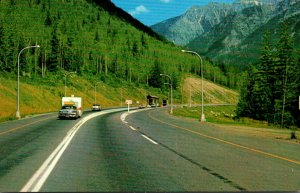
x=197, y=20
x=237, y=39
x=200, y=19
x=225, y=38
x=230, y=33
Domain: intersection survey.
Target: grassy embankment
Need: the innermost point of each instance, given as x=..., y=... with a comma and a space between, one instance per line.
x=44, y=96
x=223, y=116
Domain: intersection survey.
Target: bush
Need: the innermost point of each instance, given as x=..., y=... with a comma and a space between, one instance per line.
x=293, y=135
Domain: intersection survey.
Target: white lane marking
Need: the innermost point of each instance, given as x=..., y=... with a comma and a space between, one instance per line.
x=124, y=115
x=154, y=142
x=40, y=176
x=132, y=128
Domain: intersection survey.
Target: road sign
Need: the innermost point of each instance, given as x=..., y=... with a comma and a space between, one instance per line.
x=128, y=102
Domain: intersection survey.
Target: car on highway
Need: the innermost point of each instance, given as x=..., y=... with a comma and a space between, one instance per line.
x=96, y=107
x=141, y=106
x=68, y=111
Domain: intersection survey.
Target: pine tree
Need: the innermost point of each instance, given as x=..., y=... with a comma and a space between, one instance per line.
x=144, y=42
x=244, y=106
x=155, y=80
x=135, y=49
x=284, y=64
x=97, y=36
x=265, y=79
x=48, y=20
x=2, y=48
x=54, y=57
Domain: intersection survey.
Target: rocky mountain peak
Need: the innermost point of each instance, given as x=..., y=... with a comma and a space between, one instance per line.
x=195, y=21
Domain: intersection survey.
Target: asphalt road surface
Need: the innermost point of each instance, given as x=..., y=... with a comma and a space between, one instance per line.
x=143, y=151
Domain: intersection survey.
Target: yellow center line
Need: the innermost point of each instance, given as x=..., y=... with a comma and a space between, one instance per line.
x=17, y=128
x=228, y=142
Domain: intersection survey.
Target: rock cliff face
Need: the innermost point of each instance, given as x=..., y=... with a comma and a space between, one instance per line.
x=237, y=39
x=200, y=19
x=232, y=33
x=225, y=38
x=197, y=20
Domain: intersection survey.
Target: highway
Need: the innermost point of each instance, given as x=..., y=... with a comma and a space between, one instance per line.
x=147, y=150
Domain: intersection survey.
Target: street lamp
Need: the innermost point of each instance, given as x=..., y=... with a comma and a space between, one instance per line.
x=95, y=91
x=67, y=74
x=171, y=91
x=18, y=116
x=192, y=52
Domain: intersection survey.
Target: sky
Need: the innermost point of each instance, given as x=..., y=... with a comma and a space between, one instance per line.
x=150, y=12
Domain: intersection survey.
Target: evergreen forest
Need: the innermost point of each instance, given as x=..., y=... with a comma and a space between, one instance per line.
x=96, y=40
x=271, y=90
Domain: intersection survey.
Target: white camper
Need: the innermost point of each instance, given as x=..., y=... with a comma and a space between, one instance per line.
x=71, y=107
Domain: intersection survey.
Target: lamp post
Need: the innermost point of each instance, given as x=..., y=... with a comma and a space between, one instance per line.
x=95, y=91
x=171, y=111
x=67, y=74
x=169, y=93
x=202, y=119
x=18, y=116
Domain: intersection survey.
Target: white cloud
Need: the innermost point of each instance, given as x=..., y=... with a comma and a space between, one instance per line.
x=166, y=1
x=138, y=10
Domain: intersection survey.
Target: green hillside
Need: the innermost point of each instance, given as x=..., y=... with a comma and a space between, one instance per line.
x=78, y=36
x=95, y=39
x=45, y=95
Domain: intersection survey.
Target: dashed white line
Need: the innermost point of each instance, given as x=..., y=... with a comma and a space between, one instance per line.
x=123, y=118
x=152, y=141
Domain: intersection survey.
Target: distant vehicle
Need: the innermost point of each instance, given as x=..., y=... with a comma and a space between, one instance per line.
x=96, y=107
x=71, y=107
x=141, y=106
x=155, y=105
x=165, y=102
x=153, y=101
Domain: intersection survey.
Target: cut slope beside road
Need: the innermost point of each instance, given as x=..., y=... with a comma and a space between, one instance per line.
x=213, y=93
